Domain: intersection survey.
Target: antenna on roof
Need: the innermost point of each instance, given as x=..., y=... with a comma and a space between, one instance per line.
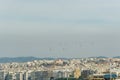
x=110, y=60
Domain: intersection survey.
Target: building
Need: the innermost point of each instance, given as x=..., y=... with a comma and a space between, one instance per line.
x=1, y=75
x=9, y=76
x=77, y=73
x=87, y=73
x=97, y=77
x=19, y=76
x=40, y=75
x=103, y=77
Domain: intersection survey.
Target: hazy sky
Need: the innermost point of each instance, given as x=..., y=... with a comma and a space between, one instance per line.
x=59, y=28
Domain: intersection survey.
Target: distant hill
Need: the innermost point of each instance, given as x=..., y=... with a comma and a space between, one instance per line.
x=21, y=59
x=99, y=57
x=116, y=57
x=26, y=59
x=102, y=57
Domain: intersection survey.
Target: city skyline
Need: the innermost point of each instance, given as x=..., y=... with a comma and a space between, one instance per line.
x=81, y=28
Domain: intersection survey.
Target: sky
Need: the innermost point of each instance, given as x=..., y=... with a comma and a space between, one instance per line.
x=59, y=28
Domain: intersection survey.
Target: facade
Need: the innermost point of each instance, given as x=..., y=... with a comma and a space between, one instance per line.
x=40, y=75
x=1, y=75
x=25, y=76
x=9, y=76
x=77, y=73
x=87, y=73
x=19, y=76
x=97, y=77
x=103, y=77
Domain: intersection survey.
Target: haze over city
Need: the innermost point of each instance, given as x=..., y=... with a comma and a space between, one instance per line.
x=59, y=28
